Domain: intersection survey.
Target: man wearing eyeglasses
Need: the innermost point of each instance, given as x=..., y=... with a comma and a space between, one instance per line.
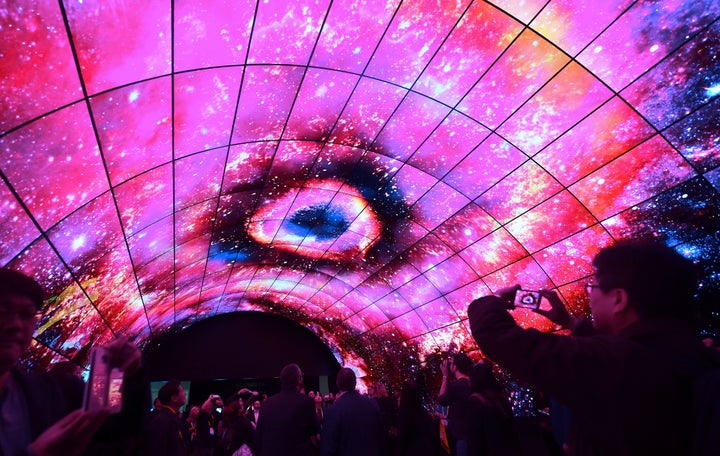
x=628, y=384
x=39, y=414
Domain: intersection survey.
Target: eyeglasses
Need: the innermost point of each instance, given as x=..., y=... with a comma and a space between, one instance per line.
x=589, y=287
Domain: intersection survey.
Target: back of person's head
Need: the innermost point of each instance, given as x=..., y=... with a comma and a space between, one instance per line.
x=17, y=283
x=168, y=390
x=290, y=377
x=463, y=363
x=346, y=379
x=231, y=411
x=242, y=396
x=411, y=394
x=483, y=379
x=658, y=280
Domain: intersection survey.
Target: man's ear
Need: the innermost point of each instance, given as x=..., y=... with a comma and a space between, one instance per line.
x=621, y=302
x=620, y=299
x=623, y=311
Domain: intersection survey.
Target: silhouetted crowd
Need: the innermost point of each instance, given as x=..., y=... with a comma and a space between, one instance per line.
x=633, y=379
x=349, y=423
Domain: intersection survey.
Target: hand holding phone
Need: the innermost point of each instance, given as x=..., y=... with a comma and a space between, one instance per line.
x=527, y=298
x=557, y=313
x=103, y=389
x=71, y=435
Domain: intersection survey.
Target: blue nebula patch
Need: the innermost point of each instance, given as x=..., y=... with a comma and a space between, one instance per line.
x=319, y=221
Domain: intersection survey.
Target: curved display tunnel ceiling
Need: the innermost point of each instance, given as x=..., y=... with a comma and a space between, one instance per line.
x=238, y=345
x=365, y=168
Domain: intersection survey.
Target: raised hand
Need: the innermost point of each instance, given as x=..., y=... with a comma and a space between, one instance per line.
x=124, y=355
x=507, y=294
x=557, y=313
x=71, y=435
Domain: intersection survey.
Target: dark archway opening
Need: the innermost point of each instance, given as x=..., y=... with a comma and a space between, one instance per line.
x=222, y=354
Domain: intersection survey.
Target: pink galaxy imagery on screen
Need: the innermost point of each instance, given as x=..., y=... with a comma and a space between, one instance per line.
x=366, y=168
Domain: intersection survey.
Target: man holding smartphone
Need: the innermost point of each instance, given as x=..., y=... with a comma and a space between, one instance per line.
x=207, y=426
x=455, y=390
x=629, y=384
x=40, y=415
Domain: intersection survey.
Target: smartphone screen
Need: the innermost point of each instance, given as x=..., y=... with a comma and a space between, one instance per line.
x=527, y=299
x=104, y=386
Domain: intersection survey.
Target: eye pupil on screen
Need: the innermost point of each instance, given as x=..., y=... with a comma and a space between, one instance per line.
x=321, y=221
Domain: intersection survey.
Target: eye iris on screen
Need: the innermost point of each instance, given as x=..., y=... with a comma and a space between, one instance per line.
x=327, y=219
x=322, y=222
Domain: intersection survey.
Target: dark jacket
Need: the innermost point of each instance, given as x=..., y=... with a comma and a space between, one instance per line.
x=418, y=433
x=455, y=396
x=206, y=430
x=166, y=436
x=287, y=421
x=625, y=394
x=243, y=433
x=490, y=424
x=353, y=426
x=49, y=398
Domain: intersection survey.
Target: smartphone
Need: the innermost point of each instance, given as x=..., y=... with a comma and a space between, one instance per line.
x=527, y=299
x=104, y=386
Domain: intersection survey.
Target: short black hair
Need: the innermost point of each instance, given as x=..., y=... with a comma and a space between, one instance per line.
x=290, y=376
x=168, y=390
x=346, y=379
x=463, y=363
x=14, y=282
x=482, y=378
x=658, y=280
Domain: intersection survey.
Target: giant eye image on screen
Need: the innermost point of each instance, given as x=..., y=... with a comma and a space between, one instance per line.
x=365, y=168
